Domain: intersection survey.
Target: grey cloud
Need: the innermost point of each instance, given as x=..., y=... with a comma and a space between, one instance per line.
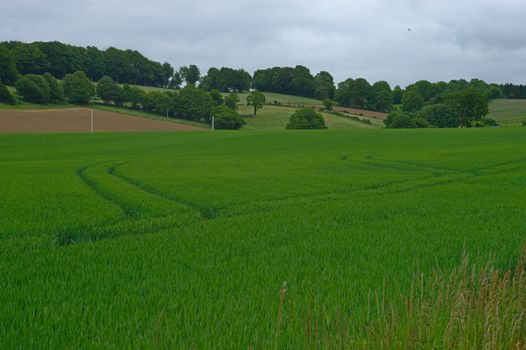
x=447, y=39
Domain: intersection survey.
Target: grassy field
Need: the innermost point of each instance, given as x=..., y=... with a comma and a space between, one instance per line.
x=186, y=240
x=273, y=97
x=508, y=112
x=277, y=117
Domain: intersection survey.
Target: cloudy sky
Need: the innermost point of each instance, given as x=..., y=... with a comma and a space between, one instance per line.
x=400, y=41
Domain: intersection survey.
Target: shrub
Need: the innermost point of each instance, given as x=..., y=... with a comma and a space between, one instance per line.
x=524, y=122
x=484, y=122
x=29, y=90
x=328, y=104
x=306, y=118
x=404, y=120
x=6, y=96
x=227, y=119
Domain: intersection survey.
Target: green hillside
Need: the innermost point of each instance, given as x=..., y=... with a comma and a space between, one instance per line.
x=508, y=112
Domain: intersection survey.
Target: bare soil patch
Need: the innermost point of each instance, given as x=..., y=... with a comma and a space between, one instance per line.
x=79, y=120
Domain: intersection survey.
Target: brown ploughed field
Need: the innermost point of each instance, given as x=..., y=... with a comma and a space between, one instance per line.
x=364, y=112
x=79, y=120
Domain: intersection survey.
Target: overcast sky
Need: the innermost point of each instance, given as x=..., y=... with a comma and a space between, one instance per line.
x=400, y=41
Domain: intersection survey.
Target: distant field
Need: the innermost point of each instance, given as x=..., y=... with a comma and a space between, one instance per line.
x=185, y=240
x=508, y=112
x=277, y=117
x=285, y=99
x=79, y=120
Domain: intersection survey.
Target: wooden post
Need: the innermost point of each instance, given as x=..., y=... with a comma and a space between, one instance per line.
x=91, y=120
x=213, y=122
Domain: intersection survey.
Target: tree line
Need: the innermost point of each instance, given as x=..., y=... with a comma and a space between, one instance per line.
x=59, y=59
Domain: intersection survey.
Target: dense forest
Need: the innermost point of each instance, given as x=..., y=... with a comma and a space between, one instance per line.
x=58, y=59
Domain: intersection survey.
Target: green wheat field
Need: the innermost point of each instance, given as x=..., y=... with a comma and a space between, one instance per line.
x=259, y=240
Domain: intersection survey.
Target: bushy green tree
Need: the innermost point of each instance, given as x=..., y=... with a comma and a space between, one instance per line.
x=6, y=96
x=227, y=119
x=305, y=119
x=29, y=90
x=412, y=101
x=194, y=104
x=126, y=93
x=190, y=74
x=257, y=100
x=217, y=97
x=176, y=81
x=231, y=101
x=469, y=105
x=354, y=93
x=226, y=80
x=162, y=102
x=405, y=120
x=398, y=93
x=440, y=115
x=77, y=88
x=42, y=84
x=324, y=86
x=108, y=90
x=168, y=72
x=56, y=92
x=137, y=97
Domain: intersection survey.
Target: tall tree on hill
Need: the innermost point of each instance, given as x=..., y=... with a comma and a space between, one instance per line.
x=62, y=58
x=257, y=100
x=397, y=95
x=28, y=57
x=324, y=86
x=412, y=101
x=190, y=74
x=381, y=97
x=303, y=83
x=8, y=71
x=168, y=72
x=176, y=81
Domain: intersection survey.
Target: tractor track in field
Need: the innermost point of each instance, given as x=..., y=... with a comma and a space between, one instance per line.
x=92, y=184
x=131, y=223
x=205, y=212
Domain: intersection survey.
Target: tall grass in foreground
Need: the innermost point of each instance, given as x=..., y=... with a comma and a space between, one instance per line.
x=467, y=308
